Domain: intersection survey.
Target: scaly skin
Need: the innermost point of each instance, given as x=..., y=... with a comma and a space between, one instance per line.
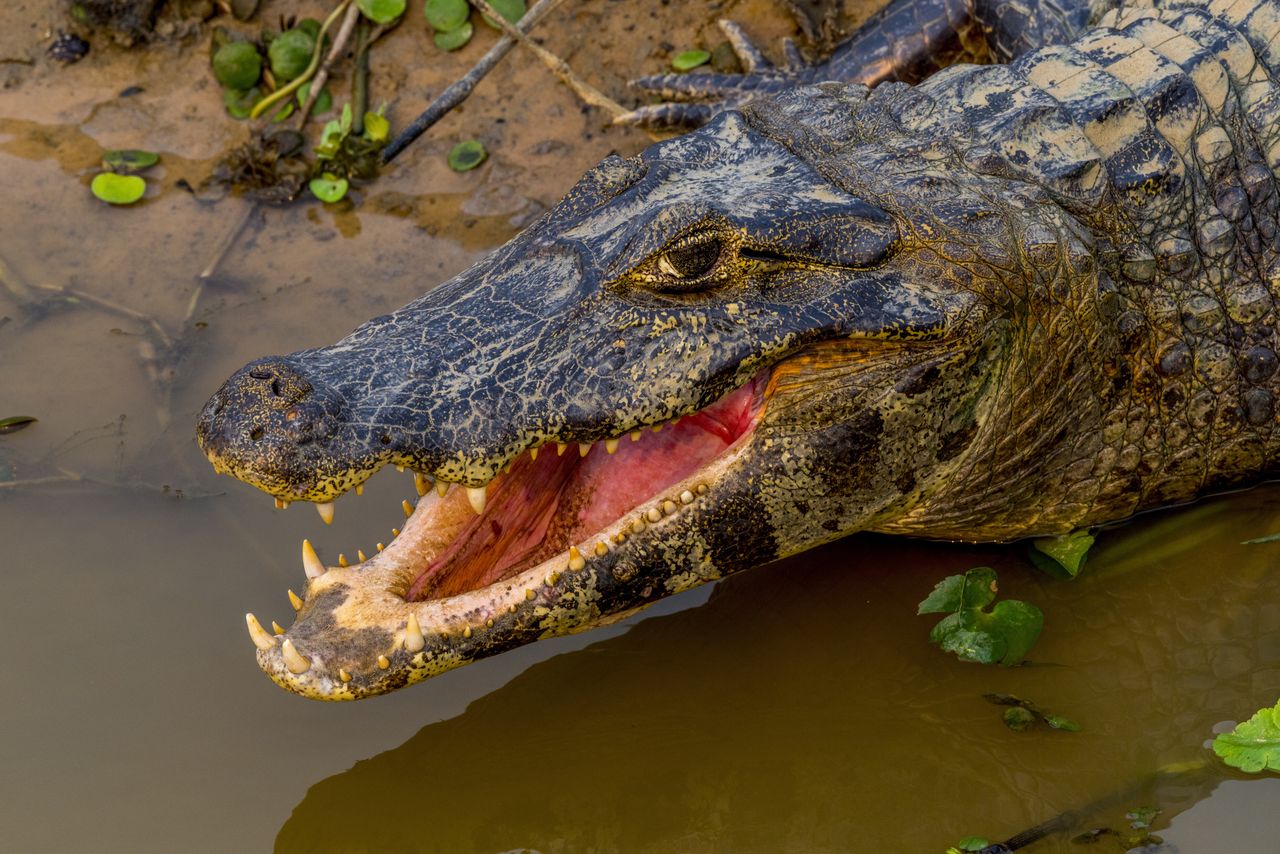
x=1013, y=300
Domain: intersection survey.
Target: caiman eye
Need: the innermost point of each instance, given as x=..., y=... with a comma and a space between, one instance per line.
x=691, y=265
x=690, y=262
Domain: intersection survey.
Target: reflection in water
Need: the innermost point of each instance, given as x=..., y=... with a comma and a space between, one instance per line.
x=802, y=709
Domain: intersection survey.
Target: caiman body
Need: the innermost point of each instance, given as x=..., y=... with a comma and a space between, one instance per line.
x=1012, y=300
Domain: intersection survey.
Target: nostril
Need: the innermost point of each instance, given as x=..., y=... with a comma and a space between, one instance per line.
x=255, y=434
x=261, y=375
x=386, y=440
x=275, y=387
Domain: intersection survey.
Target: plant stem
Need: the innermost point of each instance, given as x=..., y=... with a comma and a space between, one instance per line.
x=360, y=80
x=295, y=84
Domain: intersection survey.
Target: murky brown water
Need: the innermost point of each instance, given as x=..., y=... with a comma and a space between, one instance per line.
x=794, y=708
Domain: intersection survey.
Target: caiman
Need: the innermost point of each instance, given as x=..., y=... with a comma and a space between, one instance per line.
x=1015, y=299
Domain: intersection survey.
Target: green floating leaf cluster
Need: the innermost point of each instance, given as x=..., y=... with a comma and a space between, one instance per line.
x=118, y=185
x=344, y=155
x=1002, y=634
x=1254, y=745
x=969, y=844
x=239, y=66
x=451, y=19
x=1024, y=714
x=1062, y=557
x=467, y=155
x=381, y=11
x=690, y=59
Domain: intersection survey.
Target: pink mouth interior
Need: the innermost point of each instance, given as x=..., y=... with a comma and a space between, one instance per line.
x=543, y=506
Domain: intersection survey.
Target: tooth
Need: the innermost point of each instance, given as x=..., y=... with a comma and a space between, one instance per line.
x=656, y=427
x=380, y=546
x=636, y=434
x=293, y=659
x=326, y=512
x=360, y=555
x=638, y=526
x=383, y=662
x=476, y=495
x=668, y=507
x=441, y=488
x=686, y=497
x=466, y=633
x=533, y=454
x=610, y=446
x=702, y=489
x=584, y=448
x=421, y=484
x=343, y=674
x=601, y=549
x=311, y=564
x=552, y=580
x=407, y=508
x=576, y=560
x=395, y=532
x=258, y=634
x=360, y=490
x=295, y=600
x=528, y=594
x=560, y=446
x=282, y=505
x=277, y=628
x=653, y=514
x=342, y=561
x=400, y=469
x=413, y=639
x=620, y=537
x=489, y=622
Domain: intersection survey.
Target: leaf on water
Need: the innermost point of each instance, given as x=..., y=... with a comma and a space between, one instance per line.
x=376, y=127
x=118, y=189
x=1004, y=634
x=1025, y=713
x=1254, y=745
x=14, y=423
x=446, y=15
x=1062, y=557
x=467, y=155
x=128, y=160
x=970, y=843
x=1059, y=722
x=324, y=101
x=290, y=53
x=237, y=65
x=448, y=40
x=1018, y=719
x=331, y=137
x=1142, y=817
x=329, y=187
x=239, y=103
x=690, y=59
x=512, y=10
x=381, y=11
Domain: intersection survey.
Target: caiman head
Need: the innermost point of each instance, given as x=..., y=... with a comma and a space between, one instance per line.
x=734, y=346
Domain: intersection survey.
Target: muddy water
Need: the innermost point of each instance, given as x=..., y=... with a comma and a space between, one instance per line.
x=797, y=707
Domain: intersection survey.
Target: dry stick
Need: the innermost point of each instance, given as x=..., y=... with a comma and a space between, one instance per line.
x=15, y=285
x=101, y=302
x=584, y=90
x=460, y=89
x=322, y=76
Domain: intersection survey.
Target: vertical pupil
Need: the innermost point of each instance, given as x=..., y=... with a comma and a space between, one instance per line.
x=696, y=260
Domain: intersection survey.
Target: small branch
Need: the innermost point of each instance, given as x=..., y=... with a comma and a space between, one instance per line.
x=360, y=79
x=322, y=76
x=584, y=90
x=459, y=91
x=101, y=302
x=15, y=285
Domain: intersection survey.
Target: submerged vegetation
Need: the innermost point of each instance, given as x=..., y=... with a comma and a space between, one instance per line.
x=1004, y=633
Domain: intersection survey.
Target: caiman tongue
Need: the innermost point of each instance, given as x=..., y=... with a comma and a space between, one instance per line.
x=551, y=500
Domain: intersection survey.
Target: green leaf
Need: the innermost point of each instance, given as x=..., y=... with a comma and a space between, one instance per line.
x=329, y=187
x=1059, y=722
x=512, y=10
x=467, y=155
x=290, y=53
x=346, y=120
x=972, y=843
x=1254, y=745
x=1062, y=557
x=331, y=137
x=14, y=423
x=237, y=65
x=118, y=189
x=1018, y=719
x=376, y=127
x=446, y=15
x=324, y=101
x=284, y=112
x=128, y=160
x=975, y=589
x=240, y=104
x=453, y=39
x=381, y=11
x=689, y=60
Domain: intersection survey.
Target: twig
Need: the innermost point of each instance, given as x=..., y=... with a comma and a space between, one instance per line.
x=322, y=76
x=296, y=83
x=73, y=293
x=224, y=247
x=15, y=285
x=458, y=92
x=584, y=90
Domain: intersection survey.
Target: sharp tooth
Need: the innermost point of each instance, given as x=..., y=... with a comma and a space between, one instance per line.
x=277, y=628
x=360, y=489
x=342, y=561
x=476, y=495
x=601, y=549
x=407, y=508
x=311, y=564
x=383, y=662
x=686, y=497
x=636, y=434
x=576, y=560
x=560, y=447
x=343, y=674
x=421, y=484
x=380, y=546
x=610, y=446
x=656, y=427
x=261, y=639
x=533, y=454
x=326, y=512
x=295, y=600
x=400, y=469
x=282, y=505
x=441, y=488
x=413, y=639
x=395, y=532
x=360, y=556
x=466, y=633
x=293, y=659
x=584, y=448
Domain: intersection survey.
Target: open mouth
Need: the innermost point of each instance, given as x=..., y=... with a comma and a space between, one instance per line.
x=469, y=560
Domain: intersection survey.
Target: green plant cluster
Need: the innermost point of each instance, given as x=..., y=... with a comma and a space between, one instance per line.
x=247, y=69
x=343, y=155
x=451, y=19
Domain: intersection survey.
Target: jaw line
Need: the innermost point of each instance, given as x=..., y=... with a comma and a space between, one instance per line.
x=555, y=597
